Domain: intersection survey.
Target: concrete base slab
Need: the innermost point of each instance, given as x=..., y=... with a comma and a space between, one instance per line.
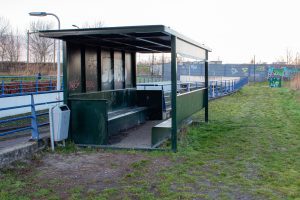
x=138, y=137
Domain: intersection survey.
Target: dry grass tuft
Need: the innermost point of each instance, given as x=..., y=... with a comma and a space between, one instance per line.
x=295, y=82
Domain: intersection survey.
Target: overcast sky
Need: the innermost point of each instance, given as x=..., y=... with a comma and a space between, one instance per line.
x=234, y=29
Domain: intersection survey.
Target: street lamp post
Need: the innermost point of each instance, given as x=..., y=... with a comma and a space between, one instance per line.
x=42, y=14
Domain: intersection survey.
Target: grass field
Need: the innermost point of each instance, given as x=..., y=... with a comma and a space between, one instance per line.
x=250, y=149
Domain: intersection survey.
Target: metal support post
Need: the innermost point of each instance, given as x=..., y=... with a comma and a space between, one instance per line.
x=28, y=38
x=206, y=90
x=2, y=87
x=21, y=89
x=210, y=88
x=34, y=126
x=233, y=84
x=217, y=94
x=221, y=88
x=174, y=92
x=50, y=84
x=37, y=85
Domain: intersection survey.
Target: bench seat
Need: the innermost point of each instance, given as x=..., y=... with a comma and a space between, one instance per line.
x=125, y=118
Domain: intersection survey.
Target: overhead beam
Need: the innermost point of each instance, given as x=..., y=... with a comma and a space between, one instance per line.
x=148, y=41
x=130, y=45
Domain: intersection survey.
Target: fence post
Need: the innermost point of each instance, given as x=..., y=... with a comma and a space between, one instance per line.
x=221, y=89
x=213, y=89
x=217, y=93
x=233, y=86
x=210, y=89
x=2, y=87
x=34, y=123
x=21, y=89
x=50, y=84
x=62, y=85
x=37, y=85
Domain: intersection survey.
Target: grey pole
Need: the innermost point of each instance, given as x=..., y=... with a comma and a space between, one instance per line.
x=27, y=48
x=206, y=88
x=58, y=85
x=42, y=14
x=254, y=68
x=174, y=93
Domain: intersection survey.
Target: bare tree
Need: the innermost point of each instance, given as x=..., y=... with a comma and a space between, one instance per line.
x=4, y=32
x=289, y=56
x=280, y=59
x=96, y=24
x=297, y=59
x=13, y=47
x=41, y=48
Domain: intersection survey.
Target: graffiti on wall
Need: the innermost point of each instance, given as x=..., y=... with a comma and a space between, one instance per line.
x=234, y=71
x=275, y=75
x=260, y=68
x=245, y=70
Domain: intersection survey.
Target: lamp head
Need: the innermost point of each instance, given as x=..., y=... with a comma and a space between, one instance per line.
x=75, y=26
x=38, y=14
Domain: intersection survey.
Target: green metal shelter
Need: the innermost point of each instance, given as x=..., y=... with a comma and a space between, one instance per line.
x=99, y=74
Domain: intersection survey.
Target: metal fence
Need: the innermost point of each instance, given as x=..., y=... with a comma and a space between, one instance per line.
x=148, y=79
x=11, y=85
x=216, y=89
x=33, y=116
x=222, y=88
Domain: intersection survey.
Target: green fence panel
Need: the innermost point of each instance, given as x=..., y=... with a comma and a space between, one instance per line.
x=188, y=104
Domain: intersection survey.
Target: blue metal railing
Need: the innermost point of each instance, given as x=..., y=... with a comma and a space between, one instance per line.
x=215, y=88
x=222, y=88
x=27, y=84
x=148, y=79
x=33, y=116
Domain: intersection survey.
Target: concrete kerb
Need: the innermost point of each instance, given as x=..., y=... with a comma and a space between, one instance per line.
x=21, y=151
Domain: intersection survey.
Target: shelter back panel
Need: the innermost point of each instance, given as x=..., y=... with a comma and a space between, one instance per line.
x=106, y=71
x=91, y=69
x=128, y=70
x=118, y=70
x=74, y=68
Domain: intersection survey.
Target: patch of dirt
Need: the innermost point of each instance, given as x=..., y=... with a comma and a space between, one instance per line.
x=91, y=171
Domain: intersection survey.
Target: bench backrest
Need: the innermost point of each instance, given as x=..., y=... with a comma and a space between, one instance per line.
x=116, y=99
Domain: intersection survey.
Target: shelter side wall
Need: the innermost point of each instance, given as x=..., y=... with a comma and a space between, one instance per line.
x=189, y=103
